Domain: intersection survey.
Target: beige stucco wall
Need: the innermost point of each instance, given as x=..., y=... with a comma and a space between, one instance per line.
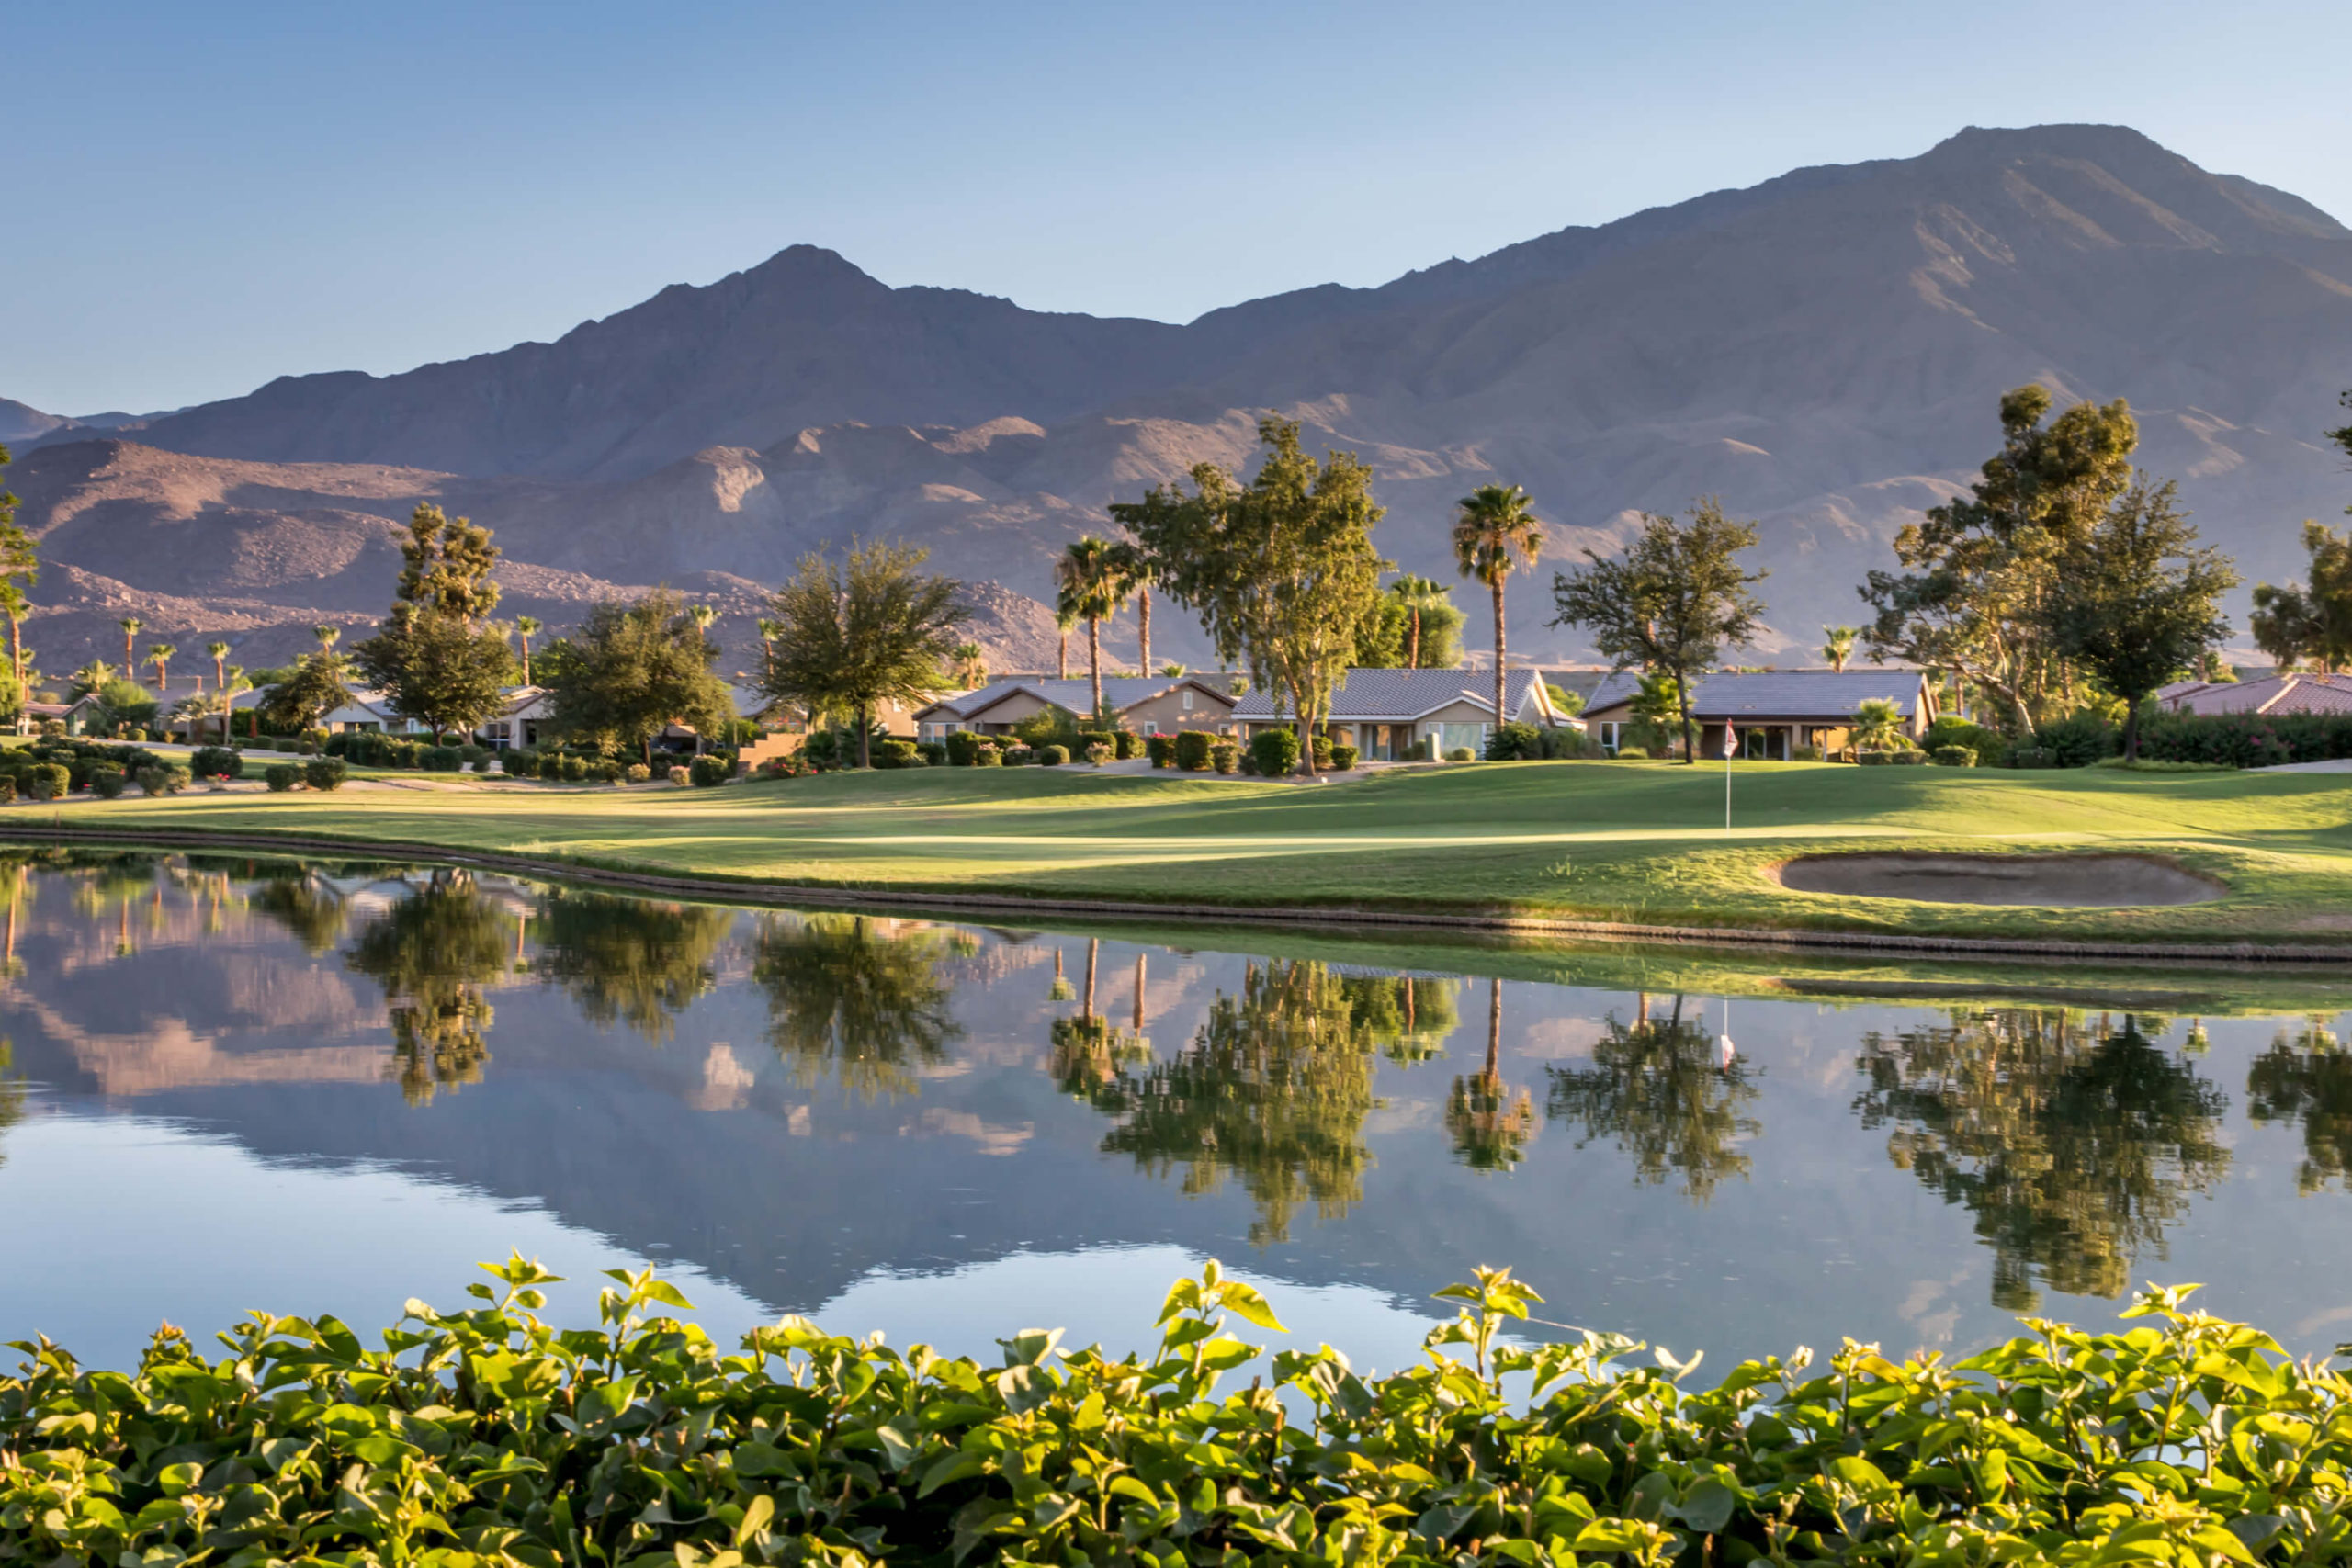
x=1166, y=714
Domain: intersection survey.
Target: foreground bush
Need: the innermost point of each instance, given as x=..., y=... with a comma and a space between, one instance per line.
x=489, y=1437
x=1275, y=751
x=1195, y=750
x=324, y=772
x=709, y=772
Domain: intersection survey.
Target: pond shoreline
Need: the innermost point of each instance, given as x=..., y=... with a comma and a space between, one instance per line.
x=754, y=891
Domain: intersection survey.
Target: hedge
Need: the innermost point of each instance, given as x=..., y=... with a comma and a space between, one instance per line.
x=1193, y=749
x=2246, y=739
x=1275, y=751
x=488, y=1436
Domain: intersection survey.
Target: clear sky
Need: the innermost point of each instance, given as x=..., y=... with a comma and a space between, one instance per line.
x=199, y=197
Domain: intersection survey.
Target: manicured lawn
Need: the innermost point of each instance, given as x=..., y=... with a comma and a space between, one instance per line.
x=1632, y=841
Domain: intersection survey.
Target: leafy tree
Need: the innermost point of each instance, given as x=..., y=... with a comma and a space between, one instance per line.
x=1415, y=626
x=19, y=570
x=1840, y=646
x=2074, y=1146
x=2138, y=599
x=1671, y=603
x=1280, y=571
x=436, y=656
x=2295, y=625
x=848, y=1000
x=877, y=628
x=1495, y=533
x=1093, y=578
x=629, y=670
x=1662, y=1091
x=317, y=687
x=302, y=901
x=434, y=952
x=629, y=960
x=1979, y=574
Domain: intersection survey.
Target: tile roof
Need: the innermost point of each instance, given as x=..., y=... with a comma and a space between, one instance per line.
x=2271, y=693
x=1390, y=696
x=1780, y=694
x=1120, y=693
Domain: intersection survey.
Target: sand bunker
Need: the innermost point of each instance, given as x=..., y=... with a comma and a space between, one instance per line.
x=2073, y=882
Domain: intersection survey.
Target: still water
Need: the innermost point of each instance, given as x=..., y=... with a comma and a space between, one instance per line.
x=234, y=1083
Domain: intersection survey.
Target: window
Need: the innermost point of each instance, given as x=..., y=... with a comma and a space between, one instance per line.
x=1188, y=699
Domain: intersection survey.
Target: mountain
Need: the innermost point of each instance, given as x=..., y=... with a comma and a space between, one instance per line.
x=1823, y=351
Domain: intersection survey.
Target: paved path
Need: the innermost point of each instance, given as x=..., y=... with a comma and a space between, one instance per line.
x=2333, y=765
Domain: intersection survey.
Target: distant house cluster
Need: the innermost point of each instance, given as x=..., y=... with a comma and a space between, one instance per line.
x=1769, y=716
x=2284, y=692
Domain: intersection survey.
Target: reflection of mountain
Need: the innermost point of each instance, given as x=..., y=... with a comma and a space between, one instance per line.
x=2073, y=1148
x=1274, y=1088
x=627, y=959
x=1662, y=1090
x=851, y=1002
x=2307, y=1078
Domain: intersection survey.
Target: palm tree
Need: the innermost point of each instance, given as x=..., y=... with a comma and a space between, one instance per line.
x=702, y=615
x=1093, y=586
x=1490, y=1120
x=1063, y=620
x=770, y=629
x=159, y=654
x=1877, y=722
x=1172, y=671
x=92, y=676
x=1495, y=533
x=15, y=605
x=327, y=634
x=219, y=653
x=971, y=668
x=1416, y=595
x=1840, y=646
x=526, y=629
x=131, y=626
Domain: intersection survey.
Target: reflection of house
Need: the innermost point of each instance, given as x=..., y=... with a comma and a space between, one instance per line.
x=1155, y=704
x=2279, y=694
x=1386, y=713
x=1773, y=712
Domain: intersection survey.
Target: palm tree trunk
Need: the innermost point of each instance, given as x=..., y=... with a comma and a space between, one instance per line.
x=1094, y=661
x=1494, y=1027
x=1139, y=993
x=1501, y=718
x=1065, y=674
x=1413, y=655
x=1143, y=634
x=16, y=673
x=1093, y=950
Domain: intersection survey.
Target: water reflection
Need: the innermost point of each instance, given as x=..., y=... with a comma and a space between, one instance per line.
x=855, y=1000
x=2306, y=1077
x=937, y=1097
x=1667, y=1093
x=2075, y=1147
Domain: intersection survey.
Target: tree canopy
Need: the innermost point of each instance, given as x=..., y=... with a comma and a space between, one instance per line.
x=2310, y=624
x=435, y=658
x=316, y=687
x=1671, y=603
x=1282, y=572
x=873, y=627
x=19, y=570
x=629, y=670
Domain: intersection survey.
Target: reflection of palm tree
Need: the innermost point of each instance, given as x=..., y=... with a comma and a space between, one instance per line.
x=1658, y=1088
x=12, y=1093
x=2073, y=1148
x=1274, y=1088
x=844, y=999
x=1490, y=1120
x=432, y=953
x=2308, y=1078
x=630, y=960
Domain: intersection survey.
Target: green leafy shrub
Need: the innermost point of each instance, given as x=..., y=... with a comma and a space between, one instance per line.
x=1098, y=752
x=1322, y=744
x=281, y=777
x=1461, y=754
x=1225, y=755
x=1014, y=756
x=2246, y=739
x=217, y=763
x=521, y=762
x=170, y=778
x=1514, y=742
x=441, y=760
x=638, y=773
x=1275, y=751
x=106, y=784
x=1343, y=757
x=49, y=780
x=1161, y=750
x=896, y=753
x=1633, y=755
x=640, y=1442
x=1953, y=756
x=1989, y=744
x=469, y=753
x=1052, y=756
x=1127, y=744
x=324, y=773
x=2079, y=740
x=487, y=764
x=1805, y=754
x=7, y=789
x=709, y=772
x=575, y=770
x=1194, y=748
x=935, y=753
x=611, y=770
x=2031, y=757
x=1095, y=737
x=961, y=746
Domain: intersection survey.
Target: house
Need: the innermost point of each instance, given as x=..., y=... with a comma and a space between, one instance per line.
x=77, y=716
x=1772, y=712
x=1149, y=705
x=2282, y=693
x=1384, y=714
x=516, y=722
x=370, y=713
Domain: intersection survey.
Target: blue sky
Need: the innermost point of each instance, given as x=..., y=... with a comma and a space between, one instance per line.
x=199, y=198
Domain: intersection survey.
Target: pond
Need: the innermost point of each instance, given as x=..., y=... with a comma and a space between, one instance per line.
x=240, y=1083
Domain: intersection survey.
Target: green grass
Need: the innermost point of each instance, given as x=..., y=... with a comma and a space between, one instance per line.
x=1635, y=842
